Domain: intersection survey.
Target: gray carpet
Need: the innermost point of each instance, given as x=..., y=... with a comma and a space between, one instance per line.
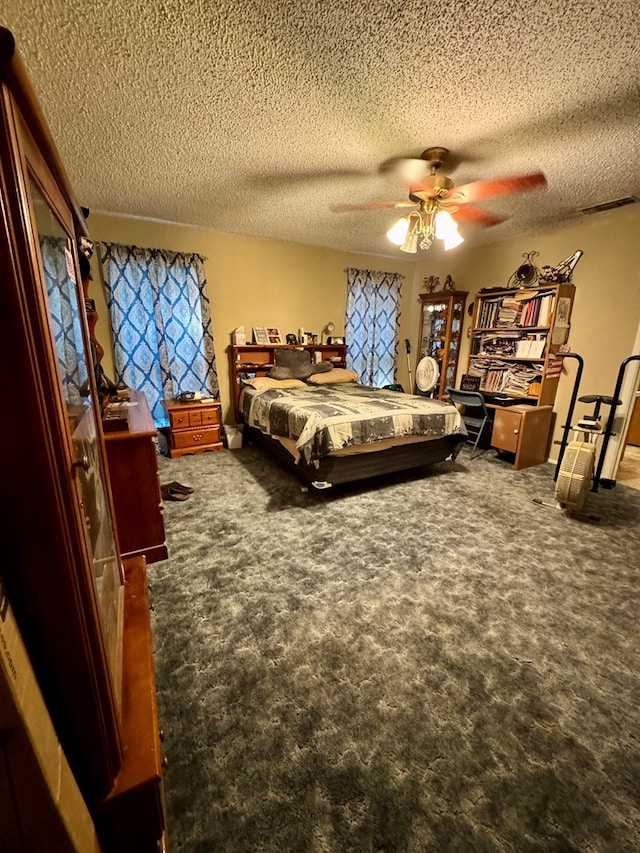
x=433, y=663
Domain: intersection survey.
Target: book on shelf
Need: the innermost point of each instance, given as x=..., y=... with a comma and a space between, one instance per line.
x=517, y=310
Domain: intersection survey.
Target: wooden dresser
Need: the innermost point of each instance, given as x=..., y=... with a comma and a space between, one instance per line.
x=132, y=458
x=194, y=427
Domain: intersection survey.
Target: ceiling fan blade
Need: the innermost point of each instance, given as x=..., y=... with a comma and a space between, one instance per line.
x=477, y=216
x=407, y=169
x=370, y=205
x=412, y=170
x=294, y=179
x=479, y=190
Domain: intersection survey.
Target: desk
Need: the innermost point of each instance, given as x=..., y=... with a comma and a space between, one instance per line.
x=523, y=430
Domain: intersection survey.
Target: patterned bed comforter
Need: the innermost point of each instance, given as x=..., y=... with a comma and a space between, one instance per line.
x=324, y=418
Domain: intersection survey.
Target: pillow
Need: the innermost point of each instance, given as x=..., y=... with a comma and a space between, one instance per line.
x=292, y=364
x=263, y=383
x=338, y=374
x=282, y=373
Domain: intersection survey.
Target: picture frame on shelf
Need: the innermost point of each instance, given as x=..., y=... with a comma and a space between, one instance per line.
x=260, y=335
x=274, y=336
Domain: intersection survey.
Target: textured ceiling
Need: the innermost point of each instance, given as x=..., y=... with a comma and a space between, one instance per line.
x=256, y=117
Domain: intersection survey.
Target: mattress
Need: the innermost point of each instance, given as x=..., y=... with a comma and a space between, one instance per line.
x=317, y=421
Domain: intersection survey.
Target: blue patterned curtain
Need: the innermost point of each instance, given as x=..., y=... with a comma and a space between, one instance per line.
x=160, y=321
x=371, y=325
x=65, y=315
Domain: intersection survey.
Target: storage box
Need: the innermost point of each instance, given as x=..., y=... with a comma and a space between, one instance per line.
x=233, y=436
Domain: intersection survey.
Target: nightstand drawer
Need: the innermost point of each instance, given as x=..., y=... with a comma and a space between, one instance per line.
x=179, y=419
x=196, y=437
x=211, y=417
x=195, y=418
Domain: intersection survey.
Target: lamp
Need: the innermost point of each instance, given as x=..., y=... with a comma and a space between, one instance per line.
x=422, y=226
x=327, y=331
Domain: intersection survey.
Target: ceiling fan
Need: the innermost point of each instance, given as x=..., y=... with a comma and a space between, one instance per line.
x=438, y=205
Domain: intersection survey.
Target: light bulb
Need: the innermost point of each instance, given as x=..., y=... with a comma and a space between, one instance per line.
x=410, y=244
x=452, y=240
x=445, y=225
x=398, y=231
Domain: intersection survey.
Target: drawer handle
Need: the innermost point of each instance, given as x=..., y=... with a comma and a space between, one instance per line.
x=161, y=734
x=516, y=431
x=165, y=763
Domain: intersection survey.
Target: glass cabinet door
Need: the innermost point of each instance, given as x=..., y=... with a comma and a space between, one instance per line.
x=457, y=307
x=441, y=333
x=73, y=367
x=434, y=330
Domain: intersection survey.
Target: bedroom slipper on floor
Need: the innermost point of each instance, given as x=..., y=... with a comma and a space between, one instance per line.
x=180, y=488
x=171, y=494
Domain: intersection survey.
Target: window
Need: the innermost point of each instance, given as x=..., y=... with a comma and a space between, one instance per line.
x=160, y=321
x=371, y=326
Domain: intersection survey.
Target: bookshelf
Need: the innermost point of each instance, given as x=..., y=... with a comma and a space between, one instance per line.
x=515, y=336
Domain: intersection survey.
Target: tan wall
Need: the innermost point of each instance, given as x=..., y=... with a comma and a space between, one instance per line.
x=253, y=282
x=606, y=311
x=256, y=281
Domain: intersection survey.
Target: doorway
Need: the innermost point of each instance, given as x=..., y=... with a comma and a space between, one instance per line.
x=621, y=463
x=628, y=472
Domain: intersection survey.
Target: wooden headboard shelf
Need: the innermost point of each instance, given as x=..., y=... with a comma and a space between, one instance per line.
x=258, y=359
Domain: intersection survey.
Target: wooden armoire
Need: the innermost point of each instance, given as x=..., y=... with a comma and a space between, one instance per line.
x=82, y=610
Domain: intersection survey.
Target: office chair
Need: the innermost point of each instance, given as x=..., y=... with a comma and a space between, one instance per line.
x=475, y=425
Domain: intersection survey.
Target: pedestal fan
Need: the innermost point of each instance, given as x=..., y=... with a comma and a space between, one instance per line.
x=427, y=375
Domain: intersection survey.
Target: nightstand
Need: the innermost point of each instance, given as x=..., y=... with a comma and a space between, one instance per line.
x=194, y=427
x=523, y=430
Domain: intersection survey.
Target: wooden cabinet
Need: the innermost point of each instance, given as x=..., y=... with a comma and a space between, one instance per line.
x=193, y=427
x=257, y=360
x=61, y=566
x=132, y=456
x=524, y=431
x=131, y=818
x=441, y=322
x=63, y=573
x=514, y=338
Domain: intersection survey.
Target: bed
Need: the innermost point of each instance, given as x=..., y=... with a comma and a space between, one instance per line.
x=329, y=430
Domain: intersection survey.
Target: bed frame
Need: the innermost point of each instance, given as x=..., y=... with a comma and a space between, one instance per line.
x=334, y=470
x=257, y=360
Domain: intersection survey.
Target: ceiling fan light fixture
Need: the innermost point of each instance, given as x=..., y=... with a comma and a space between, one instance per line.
x=452, y=240
x=445, y=225
x=398, y=231
x=410, y=244
x=415, y=229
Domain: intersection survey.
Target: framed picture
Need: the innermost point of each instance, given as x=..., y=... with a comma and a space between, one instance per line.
x=260, y=335
x=275, y=336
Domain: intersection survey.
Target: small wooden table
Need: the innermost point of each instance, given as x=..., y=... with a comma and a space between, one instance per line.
x=194, y=427
x=523, y=430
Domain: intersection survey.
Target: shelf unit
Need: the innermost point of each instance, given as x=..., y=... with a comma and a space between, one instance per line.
x=515, y=336
x=258, y=359
x=441, y=322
